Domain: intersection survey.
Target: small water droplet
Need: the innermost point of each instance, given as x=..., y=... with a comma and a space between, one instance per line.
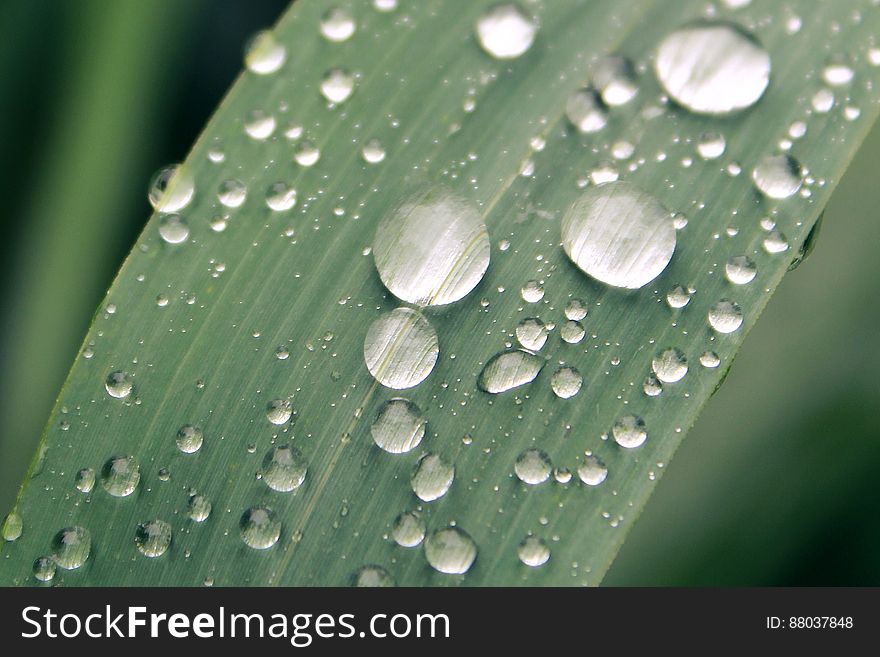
x=372, y=577
x=71, y=547
x=279, y=411
x=725, y=316
x=306, y=153
x=533, y=552
x=263, y=54
x=171, y=189
x=566, y=382
x=259, y=527
x=451, y=551
x=118, y=384
x=678, y=297
x=280, y=197
x=120, y=475
x=508, y=370
x=775, y=242
x=44, y=569
x=711, y=145
x=615, y=79
x=533, y=467
x=199, y=507
x=777, y=176
x=506, y=31
x=652, y=386
x=572, y=332
x=337, y=25
x=532, y=292
x=409, y=529
x=838, y=71
x=532, y=333
x=337, y=85
x=401, y=349
x=629, y=431
x=152, y=538
x=670, y=365
x=399, y=427
x=12, y=527
x=710, y=360
x=592, y=471
x=432, y=477
x=576, y=310
x=740, y=270
x=373, y=152
x=259, y=125
x=823, y=101
x=85, y=480
x=232, y=193
x=284, y=468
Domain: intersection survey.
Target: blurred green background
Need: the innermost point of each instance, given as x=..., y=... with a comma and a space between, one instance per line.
x=776, y=484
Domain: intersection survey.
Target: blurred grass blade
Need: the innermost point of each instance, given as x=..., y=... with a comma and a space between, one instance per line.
x=243, y=327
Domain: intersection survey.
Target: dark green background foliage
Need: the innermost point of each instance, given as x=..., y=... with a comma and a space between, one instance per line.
x=776, y=483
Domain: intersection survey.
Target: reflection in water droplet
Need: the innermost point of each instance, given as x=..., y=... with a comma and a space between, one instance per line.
x=432, y=249
x=777, y=176
x=629, y=431
x=508, y=370
x=259, y=527
x=506, y=32
x=399, y=426
x=432, y=477
x=532, y=333
x=712, y=68
x=337, y=25
x=337, y=85
x=152, y=538
x=120, y=475
x=670, y=365
x=279, y=411
x=566, y=382
x=263, y=54
x=189, y=439
x=585, y=111
x=71, y=547
x=284, y=468
x=171, y=189
x=409, y=529
x=372, y=577
x=533, y=467
x=400, y=349
x=740, y=270
x=118, y=384
x=725, y=316
x=592, y=471
x=619, y=235
x=451, y=551
x=533, y=552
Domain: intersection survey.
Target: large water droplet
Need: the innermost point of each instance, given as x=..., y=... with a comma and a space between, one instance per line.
x=432, y=249
x=400, y=349
x=777, y=176
x=740, y=270
x=120, y=475
x=592, y=471
x=337, y=25
x=284, y=468
x=189, y=439
x=280, y=197
x=531, y=333
x=118, y=384
x=152, y=538
x=451, y=551
x=12, y=527
x=432, y=477
x=712, y=68
x=506, y=32
x=263, y=54
x=566, y=382
x=279, y=411
x=259, y=527
x=629, y=431
x=533, y=552
x=399, y=426
x=173, y=229
x=508, y=370
x=725, y=316
x=619, y=235
x=409, y=529
x=171, y=189
x=670, y=365
x=533, y=467
x=71, y=547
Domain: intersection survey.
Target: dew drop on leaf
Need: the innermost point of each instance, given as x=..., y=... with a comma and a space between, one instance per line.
x=629, y=431
x=152, y=538
x=264, y=54
x=399, y=427
x=670, y=365
x=450, y=551
x=566, y=382
x=259, y=527
x=585, y=111
x=118, y=384
x=71, y=547
x=740, y=270
x=508, y=370
x=777, y=176
x=120, y=475
x=592, y=471
x=533, y=467
x=725, y=316
x=171, y=189
x=337, y=85
x=533, y=552
x=408, y=530
x=337, y=25
x=372, y=577
x=401, y=349
x=531, y=333
x=279, y=411
x=506, y=31
x=173, y=229
x=44, y=569
x=432, y=477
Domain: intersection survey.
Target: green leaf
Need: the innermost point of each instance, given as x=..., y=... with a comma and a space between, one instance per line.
x=452, y=120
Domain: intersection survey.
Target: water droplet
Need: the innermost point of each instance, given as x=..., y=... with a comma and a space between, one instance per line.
x=777, y=176
x=385, y=5
x=592, y=471
x=173, y=229
x=712, y=68
x=678, y=297
x=337, y=25
x=401, y=349
x=337, y=85
x=12, y=527
x=280, y=197
x=652, y=386
x=532, y=292
x=725, y=316
x=44, y=569
x=259, y=125
x=740, y=270
x=263, y=54
x=566, y=382
x=532, y=333
x=372, y=577
x=279, y=411
x=432, y=477
x=306, y=153
x=838, y=71
x=619, y=235
x=171, y=189
x=572, y=332
x=604, y=173
x=586, y=111
x=562, y=475
x=775, y=242
x=710, y=359
x=85, y=480
x=71, y=547
x=232, y=193
x=622, y=150
x=189, y=439
x=259, y=527
x=432, y=250
x=823, y=101
x=533, y=467
x=576, y=310
x=533, y=552
x=284, y=468
x=120, y=475
x=409, y=529
x=451, y=551
x=152, y=538
x=711, y=145
x=199, y=507
x=670, y=365
x=629, y=431
x=118, y=384
x=506, y=32
x=399, y=426
x=615, y=79
x=508, y=370
x=373, y=152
